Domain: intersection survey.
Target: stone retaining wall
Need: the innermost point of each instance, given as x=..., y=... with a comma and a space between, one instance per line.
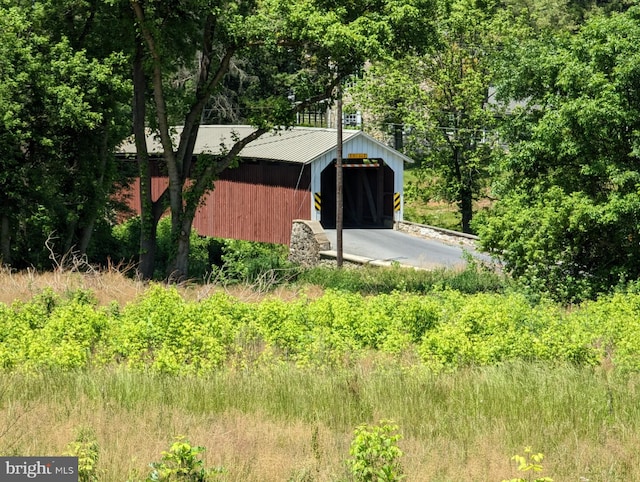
x=307, y=240
x=445, y=235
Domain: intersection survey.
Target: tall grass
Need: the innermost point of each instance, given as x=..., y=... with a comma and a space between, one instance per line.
x=108, y=285
x=277, y=422
x=249, y=271
x=474, y=278
x=285, y=423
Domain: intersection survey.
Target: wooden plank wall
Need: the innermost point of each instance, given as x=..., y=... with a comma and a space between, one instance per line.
x=256, y=201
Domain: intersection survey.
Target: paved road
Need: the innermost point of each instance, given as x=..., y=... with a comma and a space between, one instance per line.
x=390, y=245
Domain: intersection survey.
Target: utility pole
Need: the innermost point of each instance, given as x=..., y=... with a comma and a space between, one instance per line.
x=339, y=194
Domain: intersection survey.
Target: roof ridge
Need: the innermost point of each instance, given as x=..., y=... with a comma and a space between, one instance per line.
x=295, y=133
x=298, y=144
x=276, y=138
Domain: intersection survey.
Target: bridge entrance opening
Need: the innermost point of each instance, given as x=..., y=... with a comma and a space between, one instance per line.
x=367, y=189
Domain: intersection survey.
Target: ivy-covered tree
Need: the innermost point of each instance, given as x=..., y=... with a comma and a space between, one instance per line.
x=307, y=47
x=568, y=220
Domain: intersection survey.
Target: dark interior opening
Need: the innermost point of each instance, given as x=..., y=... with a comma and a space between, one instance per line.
x=367, y=196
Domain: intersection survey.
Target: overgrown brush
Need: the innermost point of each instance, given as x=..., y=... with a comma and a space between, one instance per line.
x=474, y=278
x=225, y=261
x=446, y=329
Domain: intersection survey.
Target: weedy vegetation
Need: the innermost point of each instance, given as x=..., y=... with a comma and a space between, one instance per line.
x=301, y=382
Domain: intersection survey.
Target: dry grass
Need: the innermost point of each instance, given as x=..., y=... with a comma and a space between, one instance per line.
x=117, y=285
x=108, y=285
x=451, y=443
x=254, y=448
x=250, y=446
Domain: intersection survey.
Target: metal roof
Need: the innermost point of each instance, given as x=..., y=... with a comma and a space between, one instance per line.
x=301, y=145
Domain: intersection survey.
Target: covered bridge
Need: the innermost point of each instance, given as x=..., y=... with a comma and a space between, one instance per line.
x=290, y=174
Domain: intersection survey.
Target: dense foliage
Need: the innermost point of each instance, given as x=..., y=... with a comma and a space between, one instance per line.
x=569, y=214
x=76, y=75
x=435, y=105
x=305, y=49
x=226, y=261
x=163, y=332
x=61, y=114
x=540, y=98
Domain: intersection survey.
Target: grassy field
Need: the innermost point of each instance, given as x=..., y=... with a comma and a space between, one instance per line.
x=421, y=208
x=287, y=423
x=282, y=422
x=115, y=286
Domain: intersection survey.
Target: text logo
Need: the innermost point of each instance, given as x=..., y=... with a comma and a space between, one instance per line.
x=51, y=469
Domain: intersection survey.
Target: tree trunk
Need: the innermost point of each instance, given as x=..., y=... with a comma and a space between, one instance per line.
x=148, y=223
x=465, y=192
x=466, y=208
x=173, y=162
x=103, y=186
x=182, y=225
x=148, y=248
x=179, y=266
x=67, y=244
x=5, y=240
x=85, y=235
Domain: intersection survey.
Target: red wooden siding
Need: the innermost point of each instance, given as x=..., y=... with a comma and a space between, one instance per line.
x=256, y=202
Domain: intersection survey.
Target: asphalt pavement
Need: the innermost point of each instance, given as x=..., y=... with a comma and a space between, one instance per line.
x=388, y=245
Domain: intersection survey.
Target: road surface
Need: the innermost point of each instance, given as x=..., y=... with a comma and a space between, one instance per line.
x=389, y=245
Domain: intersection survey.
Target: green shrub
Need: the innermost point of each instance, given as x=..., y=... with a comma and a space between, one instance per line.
x=614, y=322
x=249, y=262
x=182, y=462
x=475, y=278
x=530, y=463
x=552, y=240
x=162, y=332
x=283, y=325
x=487, y=329
x=127, y=236
x=86, y=448
x=142, y=327
x=375, y=453
x=51, y=331
x=68, y=337
x=127, y=240
x=13, y=330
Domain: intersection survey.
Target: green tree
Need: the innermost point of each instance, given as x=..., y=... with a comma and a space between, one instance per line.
x=559, y=15
x=314, y=45
x=569, y=215
x=441, y=101
x=61, y=117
